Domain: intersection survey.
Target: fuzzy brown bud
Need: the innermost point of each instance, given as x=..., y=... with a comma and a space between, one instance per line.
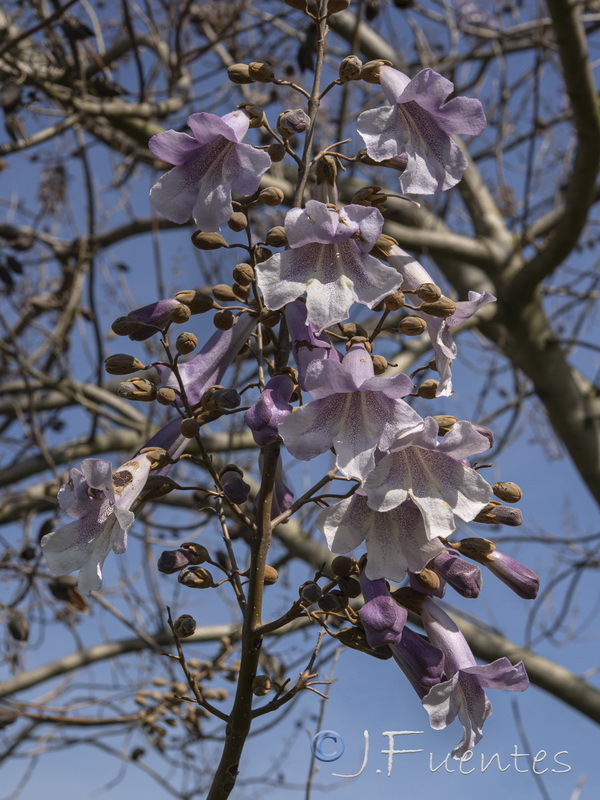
x=326, y=172
x=409, y=598
x=224, y=292
x=223, y=320
x=428, y=292
x=261, y=71
x=165, y=395
x=256, y=114
x=270, y=576
x=180, y=314
x=350, y=68
x=394, y=301
x=383, y=245
x=186, y=343
x=497, y=514
x=509, y=492
x=370, y=196
x=238, y=221
x=122, y=364
x=332, y=602
x=261, y=685
x=276, y=152
x=299, y=4
x=239, y=73
x=427, y=579
x=271, y=196
x=277, y=237
x=360, y=340
x=243, y=274
x=350, y=329
x=380, y=364
x=196, y=578
x=124, y=326
x=197, y=302
x=428, y=389
x=189, y=427
x=242, y=291
x=138, y=389
x=262, y=254
x=412, y=326
x=445, y=423
x=208, y=241
x=184, y=626
x=343, y=566
x=442, y=308
x=196, y=553
x=371, y=71
x=292, y=121
x=310, y=592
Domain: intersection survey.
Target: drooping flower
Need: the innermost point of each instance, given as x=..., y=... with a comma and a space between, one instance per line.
x=210, y=164
x=463, y=693
x=353, y=411
x=100, y=501
x=420, y=661
x=413, y=275
x=464, y=578
x=396, y=540
x=329, y=260
x=415, y=129
x=433, y=475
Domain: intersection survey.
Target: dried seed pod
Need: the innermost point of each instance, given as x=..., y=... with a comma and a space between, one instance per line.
x=276, y=152
x=165, y=395
x=343, y=566
x=394, y=301
x=428, y=292
x=271, y=575
x=380, y=364
x=208, y=241
x=261, y=71
x=445, y=423
x=349, y=69
x=277, y=237
x=224, y=292
x=239, y=73
x=428, y=389
x=198, y=302
x=223, y=320
x=189, y=427
x=184, y=626
x=122, y=364
x=507, y=491
x=371, y=71
x=186, y=343
x=442, y=308
x=412, y=326
x=261, y=685
x=271, y=195
x=238, y=221
x=310, y=592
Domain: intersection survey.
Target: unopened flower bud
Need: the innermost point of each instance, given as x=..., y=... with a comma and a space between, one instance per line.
x=197, y=302
x=186, y=343
x=184, y=626
x=292, y=121
x=344, y=566
x=394, y=301
x=238, y=221
x=262, y=254
x=223, y=320
x=270, y=575
x=277, y=237
x=497, y=514
x=269, y=318
x=261, y=685
x=428, y=292
x=208, y=241
x=196, y=553
x=243, y=274
x=125, y=326
x=332, y=602
x=310, y=592
x=122, y=364
x=8, y=716
x=412, y=326
x=224, y=292
x=165, y=395
x=180, y=314
x=138, y=389
x=350, y=329
x=445, y=423
x=509, y=492
x=380, y=364
x=189, y=427
x=220, y=397
x=350, y=587
x=240, y=291
x=256, y=114
x=196, y=578
x=522, y=580
x=171, y=561
x=464, y=578
x=261, y=71
x=271, y=196
x=333, y=6
x=371, y=71
x=236, y=490
x=442, y=308
x=350, y=68
x=276, y=152
x=428, y=389
x=239, y=73
x=360, y=340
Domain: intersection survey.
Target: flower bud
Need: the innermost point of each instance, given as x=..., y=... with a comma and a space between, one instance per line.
x=165, y=395
x=509, y=492
x=299, y=4
x=179, y=314
x=310, y=592
x=171, y=561
x=124, y=326
x=332, y=602
x=261, y=71
x=344, y=566
x=238, y=221
x=445, y=423
x=8, y=716
x=326, y=172
x=196, y=553
x=350, y=587
x=197, y=302
x=122, y=364
x=243, y=274
x=349, y=69
x=262, y=254
x=412, y=326
x=428, y=389
x=189, y=427
x=261, y=685
x=380, y=364
x=515, y=575
x=442, y=308
x=394, y=301
x=270, y=575
x=224, y=292
x=276, y=152
x=269, y=318
x=186, y=343
x=276, y=237
x=184, y=626
x=428, y=292
x=292, y=121
x=241, y=292
x=239, y=73
x=219, y=397
x=223, y=320
x=196, y=578
x=236, y=490
x=271, y=196
x=256, y=114
x=137, y=389
x=497, y=514
x=208, y=241
x=351, y=329
x=464, y=578
x=371, y=71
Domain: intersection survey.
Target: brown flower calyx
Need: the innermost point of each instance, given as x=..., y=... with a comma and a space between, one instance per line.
x=261, y=71
x=184, y=626
x=380, y=364
x=277, y=237
x=243, y=274
x=261, y=685
x=445, y=423
x=428, y=292
x=360, y=340
x=371, y=71
x=196, y=578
